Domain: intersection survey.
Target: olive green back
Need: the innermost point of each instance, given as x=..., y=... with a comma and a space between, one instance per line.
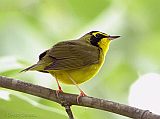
x=72, y=54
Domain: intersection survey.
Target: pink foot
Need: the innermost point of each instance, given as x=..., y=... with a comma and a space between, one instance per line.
x=58, y=91
x=82, y=94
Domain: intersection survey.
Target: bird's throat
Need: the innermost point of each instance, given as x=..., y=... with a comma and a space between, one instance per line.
x=104, y=45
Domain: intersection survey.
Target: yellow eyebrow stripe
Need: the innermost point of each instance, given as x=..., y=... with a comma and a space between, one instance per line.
x=96, y=33
x=99, y=33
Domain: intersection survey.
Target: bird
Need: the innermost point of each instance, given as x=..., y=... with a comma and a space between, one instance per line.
x=75, y=61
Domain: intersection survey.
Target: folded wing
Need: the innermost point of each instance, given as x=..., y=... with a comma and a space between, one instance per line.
x=72, y=55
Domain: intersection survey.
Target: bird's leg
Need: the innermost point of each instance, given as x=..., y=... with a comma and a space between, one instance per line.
x=81, y=92
x=59, y=87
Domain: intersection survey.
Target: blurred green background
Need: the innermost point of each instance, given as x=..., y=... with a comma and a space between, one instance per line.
x=28, y=27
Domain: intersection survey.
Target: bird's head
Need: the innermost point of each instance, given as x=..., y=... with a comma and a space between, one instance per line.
x=99, y=39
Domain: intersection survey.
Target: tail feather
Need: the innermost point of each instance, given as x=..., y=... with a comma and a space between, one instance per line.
x=29, y=68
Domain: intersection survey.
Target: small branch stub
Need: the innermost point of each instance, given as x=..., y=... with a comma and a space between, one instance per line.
x=65, y=104
x=69, y=111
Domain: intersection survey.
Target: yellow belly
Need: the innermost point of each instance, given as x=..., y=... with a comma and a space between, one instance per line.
x=78, y=75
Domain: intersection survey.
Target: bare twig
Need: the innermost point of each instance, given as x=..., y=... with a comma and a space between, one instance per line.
x=65, y=104
x=69, y=111
x=71, y=99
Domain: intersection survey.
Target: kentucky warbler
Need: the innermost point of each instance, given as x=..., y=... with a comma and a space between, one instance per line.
x=75, y=61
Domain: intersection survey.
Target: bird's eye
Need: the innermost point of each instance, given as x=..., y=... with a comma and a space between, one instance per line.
x=98, y=35
x=95, y=39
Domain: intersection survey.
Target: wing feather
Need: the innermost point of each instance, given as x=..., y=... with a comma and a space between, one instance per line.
x=72, y=55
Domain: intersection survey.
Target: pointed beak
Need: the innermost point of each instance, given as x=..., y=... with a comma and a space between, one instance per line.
x=112, y=37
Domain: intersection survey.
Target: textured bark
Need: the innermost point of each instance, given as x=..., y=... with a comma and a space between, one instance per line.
x=67, y=100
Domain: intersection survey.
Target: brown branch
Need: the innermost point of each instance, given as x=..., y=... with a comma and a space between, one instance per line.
x=71, y=99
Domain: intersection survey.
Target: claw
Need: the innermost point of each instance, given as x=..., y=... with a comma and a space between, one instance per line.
x=58, y=91
x=82, y=94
